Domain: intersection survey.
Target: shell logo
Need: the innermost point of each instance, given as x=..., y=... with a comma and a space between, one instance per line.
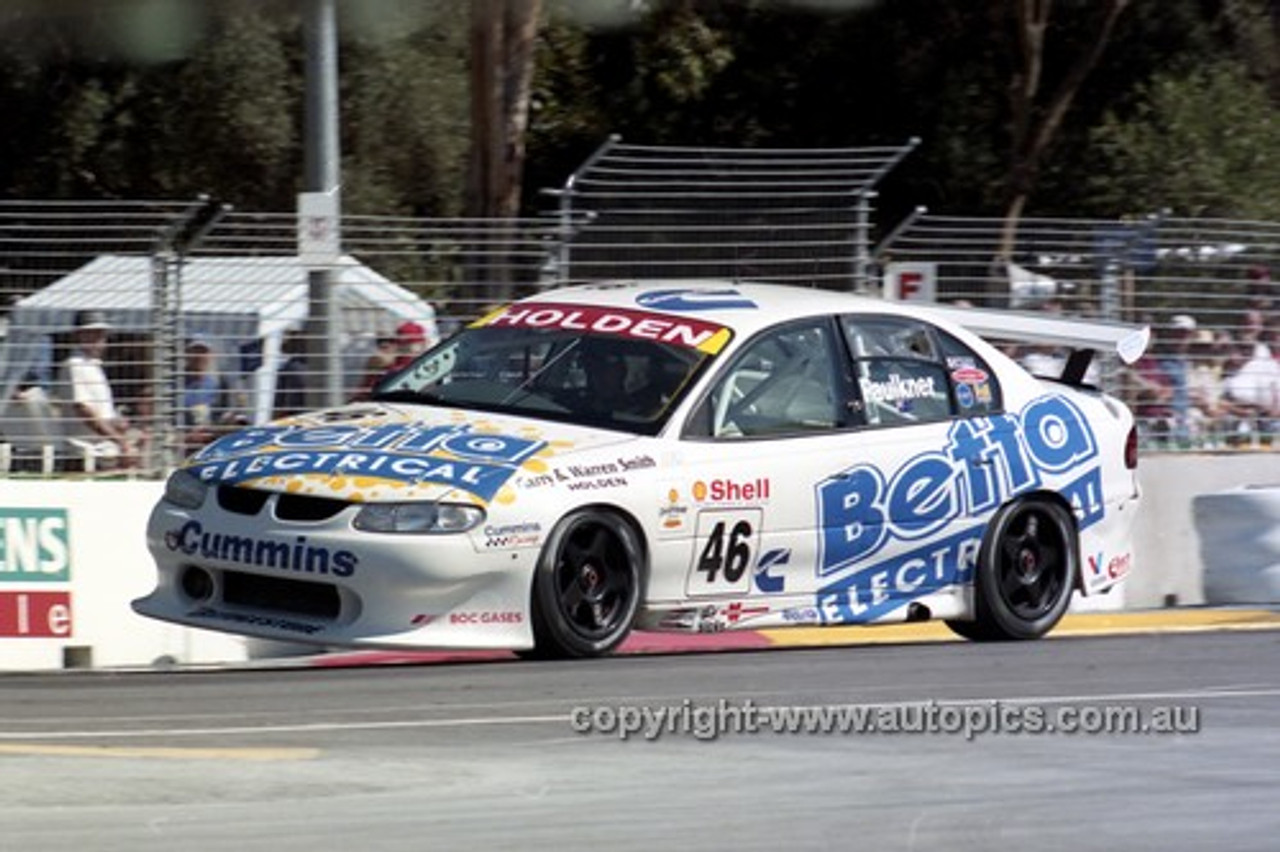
x=699, y=491
x=673, y=496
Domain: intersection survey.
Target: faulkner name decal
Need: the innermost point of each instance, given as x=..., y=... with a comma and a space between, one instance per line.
x=984, y=463
x=447, y=455
x=896, y=389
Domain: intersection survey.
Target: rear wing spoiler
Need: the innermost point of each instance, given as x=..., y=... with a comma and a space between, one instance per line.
x=1083, y=337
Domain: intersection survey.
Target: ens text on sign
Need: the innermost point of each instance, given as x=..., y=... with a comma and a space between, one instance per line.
x=34, y=546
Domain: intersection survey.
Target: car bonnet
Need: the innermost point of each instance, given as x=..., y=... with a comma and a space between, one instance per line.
x=376, y=452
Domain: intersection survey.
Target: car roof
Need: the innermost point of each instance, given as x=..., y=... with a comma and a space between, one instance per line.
x=744, y=307
x=747, y=307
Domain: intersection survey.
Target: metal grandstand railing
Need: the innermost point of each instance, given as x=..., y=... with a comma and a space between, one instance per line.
x=791, y=215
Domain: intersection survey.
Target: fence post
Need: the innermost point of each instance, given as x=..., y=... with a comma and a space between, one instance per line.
x=565, y=194
x=861, y=241
x=172, y=245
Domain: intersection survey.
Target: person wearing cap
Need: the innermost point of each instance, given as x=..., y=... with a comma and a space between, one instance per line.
x=205, y=408
x=1251, y=391
x=1176, y=362
x=411, y=341
x=1162, y=380
x=94, y=425
x=1205, y=389
x=291, y=379
x=380, y=361
x=394, y=352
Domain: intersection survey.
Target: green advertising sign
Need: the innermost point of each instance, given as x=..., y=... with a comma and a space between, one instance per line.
x=35, y=546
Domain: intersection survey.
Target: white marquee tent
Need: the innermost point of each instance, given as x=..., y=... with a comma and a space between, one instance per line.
x=242, y=306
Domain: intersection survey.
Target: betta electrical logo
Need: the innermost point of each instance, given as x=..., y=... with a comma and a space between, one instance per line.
x=446, y=455
x=935, y=504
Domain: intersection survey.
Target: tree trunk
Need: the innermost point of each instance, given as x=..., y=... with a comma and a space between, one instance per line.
x=1034, y=126
x=503, y=34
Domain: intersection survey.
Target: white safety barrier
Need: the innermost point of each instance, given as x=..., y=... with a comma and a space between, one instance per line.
x=1167, y=548
x=1239, y=534
x=72, y=556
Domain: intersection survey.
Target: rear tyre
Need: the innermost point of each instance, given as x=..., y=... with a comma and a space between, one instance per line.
x=1026, y=570
x=586, y=589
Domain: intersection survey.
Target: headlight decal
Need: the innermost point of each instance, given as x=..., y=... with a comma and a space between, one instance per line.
x=184, y=488
x=427, y=518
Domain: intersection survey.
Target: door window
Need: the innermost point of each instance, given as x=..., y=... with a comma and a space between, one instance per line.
x=784, y=382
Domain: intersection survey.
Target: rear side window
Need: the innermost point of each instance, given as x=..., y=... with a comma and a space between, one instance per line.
x=906, y=371
x=974, y=385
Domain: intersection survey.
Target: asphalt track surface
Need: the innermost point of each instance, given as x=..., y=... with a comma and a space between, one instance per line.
x=483, y=754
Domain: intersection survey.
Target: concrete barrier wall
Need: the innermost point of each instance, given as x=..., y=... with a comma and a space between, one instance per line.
x=73, y=555
x=1239, y=532
x=1169, y=570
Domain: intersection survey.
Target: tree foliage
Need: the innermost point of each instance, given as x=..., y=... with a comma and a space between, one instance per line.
x=1201, y=143
x=404, y=112
x=145, y=98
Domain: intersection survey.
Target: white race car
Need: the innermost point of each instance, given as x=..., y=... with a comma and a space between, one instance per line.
x=683, y=456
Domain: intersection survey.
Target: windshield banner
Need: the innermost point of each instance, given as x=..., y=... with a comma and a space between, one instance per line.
x=620, y=322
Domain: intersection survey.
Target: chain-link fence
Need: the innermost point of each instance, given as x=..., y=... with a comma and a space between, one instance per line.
x=1204, y=286
x=135, y=332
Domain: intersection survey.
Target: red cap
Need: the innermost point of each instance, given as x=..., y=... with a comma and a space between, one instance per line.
x=411, y=332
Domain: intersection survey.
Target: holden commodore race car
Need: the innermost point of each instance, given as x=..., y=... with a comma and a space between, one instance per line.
x=682, y=456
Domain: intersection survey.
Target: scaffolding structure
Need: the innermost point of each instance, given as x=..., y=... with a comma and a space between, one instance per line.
x=800, y=216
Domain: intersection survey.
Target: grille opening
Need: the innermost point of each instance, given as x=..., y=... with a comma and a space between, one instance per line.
x=242, y=501
x=296, y=597
x=306, y=507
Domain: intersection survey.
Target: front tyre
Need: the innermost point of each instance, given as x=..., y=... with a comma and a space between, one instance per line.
x=587, y=586
x=1026, y=570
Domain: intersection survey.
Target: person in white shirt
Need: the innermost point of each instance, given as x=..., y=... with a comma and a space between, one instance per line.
x=93, y=424
x=1251, y=390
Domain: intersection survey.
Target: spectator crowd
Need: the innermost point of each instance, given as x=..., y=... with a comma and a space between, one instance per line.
x=1206, y=388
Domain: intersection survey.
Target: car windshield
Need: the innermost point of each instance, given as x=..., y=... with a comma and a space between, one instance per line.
x=604, y=380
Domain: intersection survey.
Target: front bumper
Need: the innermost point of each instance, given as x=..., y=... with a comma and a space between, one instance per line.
x=321, y=581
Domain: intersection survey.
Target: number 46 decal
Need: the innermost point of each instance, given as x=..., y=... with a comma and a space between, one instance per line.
x=724, y=553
